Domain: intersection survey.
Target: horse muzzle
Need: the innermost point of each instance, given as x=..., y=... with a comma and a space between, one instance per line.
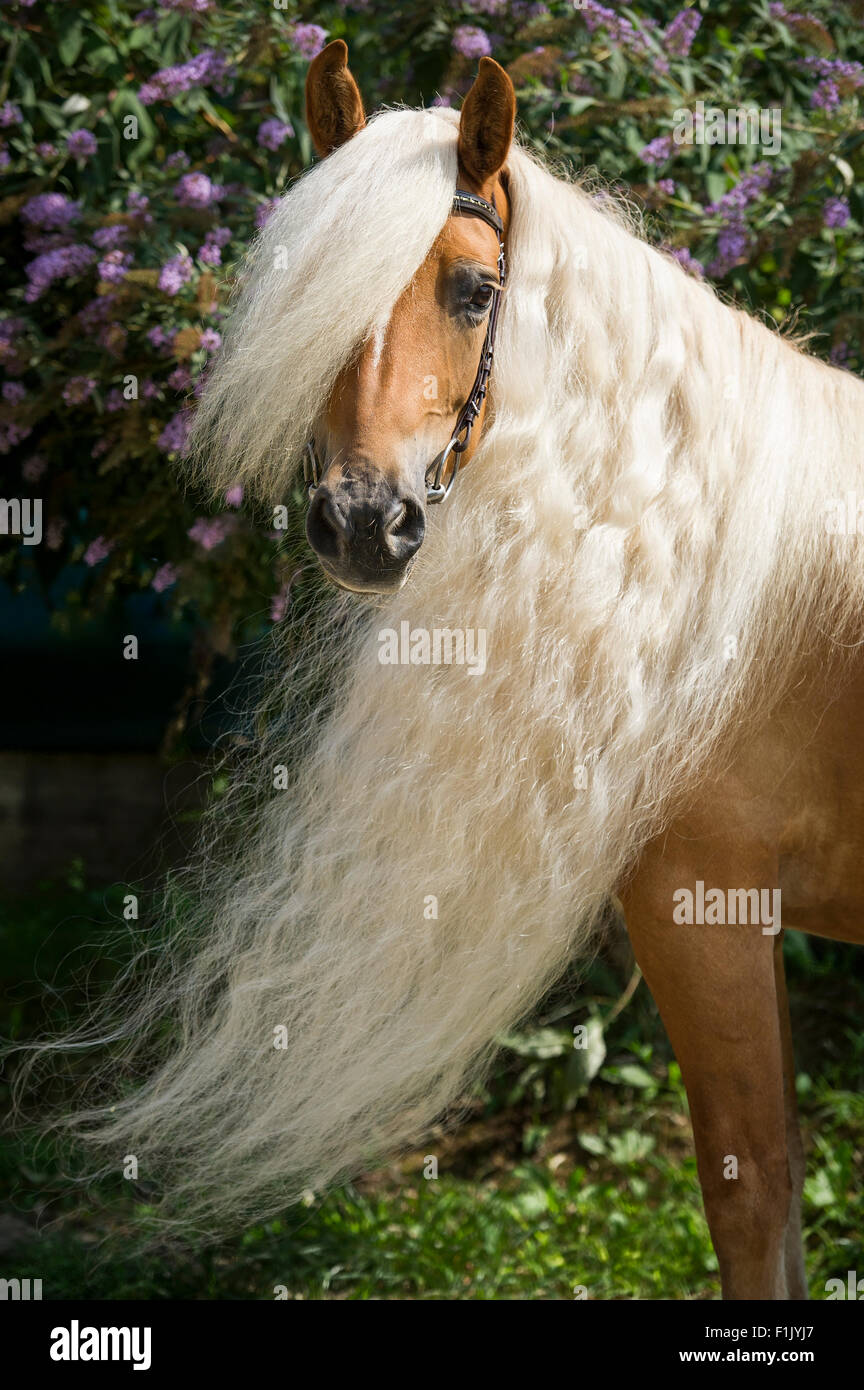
x=366, y=539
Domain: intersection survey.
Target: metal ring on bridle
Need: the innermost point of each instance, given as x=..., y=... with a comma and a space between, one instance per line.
x=436, y=490
x=311, y=467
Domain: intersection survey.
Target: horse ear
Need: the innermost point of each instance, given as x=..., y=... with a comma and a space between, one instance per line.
x=486, y=122
x=334, y=107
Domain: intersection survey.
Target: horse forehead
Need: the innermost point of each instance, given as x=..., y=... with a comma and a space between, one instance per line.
x=460, y=238
x=467, y=236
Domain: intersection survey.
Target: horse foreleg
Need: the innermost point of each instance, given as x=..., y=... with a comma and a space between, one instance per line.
x=717, y=990
x=796, y=1277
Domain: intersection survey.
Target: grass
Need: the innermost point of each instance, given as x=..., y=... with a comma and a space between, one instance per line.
x=556, y=1183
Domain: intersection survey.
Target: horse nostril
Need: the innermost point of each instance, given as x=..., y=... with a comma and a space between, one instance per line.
x=326, y=525
x=331, y=519
x=404, y=533
x=394, y=516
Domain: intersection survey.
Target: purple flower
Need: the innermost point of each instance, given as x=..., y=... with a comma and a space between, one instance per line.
x=620, y=29
x=46, y=150
x=666, y=186
x=678, y=39
x=211, y=341
x=471, y=42
x=173, y=438
x=746, y=191
x=12, y=434
x=684, y=258
x=207, y=68
x=234, y=495
x=194, y=191
x=208, y=532
x=165, y=576
x=98, y=311
x=273, y=133
x=159, y=337
x=837, y=76
x=178, y=160
x=264, y=212
x=733, y=244
x=210, y=252
x=14, y=392
x=56, y=265
x=137, y=202
x=113, y=268
x=107, y=238
x=180, y=379
x=308, y=39
x=52, y=212
x=97, y=551
x=82, y=144
x=657, y=151
x=175, y=273
x=835, y=212
x=79, y=389
x=839, y=68
x=825, y=96
x=10, y=114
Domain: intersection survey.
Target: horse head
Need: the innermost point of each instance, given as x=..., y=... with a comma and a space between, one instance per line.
x=408, y=409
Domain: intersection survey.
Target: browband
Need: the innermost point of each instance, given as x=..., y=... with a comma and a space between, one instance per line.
x=478, y=207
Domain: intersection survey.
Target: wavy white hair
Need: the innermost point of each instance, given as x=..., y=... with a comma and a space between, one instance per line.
x=645, y=500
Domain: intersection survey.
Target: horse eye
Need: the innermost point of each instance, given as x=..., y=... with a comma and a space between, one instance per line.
x=482, y=298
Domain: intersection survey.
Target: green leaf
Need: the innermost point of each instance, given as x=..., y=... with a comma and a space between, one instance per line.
x=631, y=1074
x=630, y=1147
x=69, y=46
x=544, y=1043
x=818, y=1190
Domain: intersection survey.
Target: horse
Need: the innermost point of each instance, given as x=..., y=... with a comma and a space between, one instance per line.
x=637, y=512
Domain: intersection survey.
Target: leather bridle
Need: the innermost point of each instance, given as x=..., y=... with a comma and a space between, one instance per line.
x=471, y=205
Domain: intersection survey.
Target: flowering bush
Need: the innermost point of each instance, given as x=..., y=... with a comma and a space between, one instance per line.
x=141, y=148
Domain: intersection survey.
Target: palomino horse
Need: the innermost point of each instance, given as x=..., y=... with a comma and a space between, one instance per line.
x=782, y=811
x=619, y=660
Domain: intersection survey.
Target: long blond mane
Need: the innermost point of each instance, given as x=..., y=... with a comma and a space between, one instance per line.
x=640, y=537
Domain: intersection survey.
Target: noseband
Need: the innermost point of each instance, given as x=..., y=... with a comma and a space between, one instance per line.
x=436, y=490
